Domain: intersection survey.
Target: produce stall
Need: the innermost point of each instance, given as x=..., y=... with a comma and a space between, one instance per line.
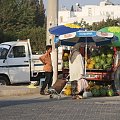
x=100, y=63
x=99, y=70
x=98, y=67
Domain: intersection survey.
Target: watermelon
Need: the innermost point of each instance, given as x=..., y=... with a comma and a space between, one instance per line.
x=98, y=66
x=110, y=92
x=97, y=58
x=66, y=64
x=109, y=60
x=110, y=55
x=106, y=66
x=103, y=55
x=103, y=91
x=95, y=92
x=102, y=61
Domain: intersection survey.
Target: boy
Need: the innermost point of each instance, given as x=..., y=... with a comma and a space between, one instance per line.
x=46, y=60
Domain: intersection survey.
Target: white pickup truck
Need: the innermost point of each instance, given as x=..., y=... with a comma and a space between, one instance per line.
x=19, y=65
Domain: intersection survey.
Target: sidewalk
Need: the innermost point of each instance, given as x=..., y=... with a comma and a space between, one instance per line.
x=18, y=90
x=6, y=91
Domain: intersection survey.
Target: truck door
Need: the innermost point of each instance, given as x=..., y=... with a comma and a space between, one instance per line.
x=19, y=63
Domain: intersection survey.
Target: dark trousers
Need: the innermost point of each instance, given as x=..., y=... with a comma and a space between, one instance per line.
x=48, y=80
x=74, y=88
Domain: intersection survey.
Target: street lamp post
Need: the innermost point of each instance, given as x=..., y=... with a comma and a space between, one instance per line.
x=52, y=20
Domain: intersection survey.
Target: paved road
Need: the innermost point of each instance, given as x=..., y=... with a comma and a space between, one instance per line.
x=36, y=107
x=19, y=90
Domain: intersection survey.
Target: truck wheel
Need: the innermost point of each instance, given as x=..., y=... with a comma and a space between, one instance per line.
x=36, y=83
x=4, y=80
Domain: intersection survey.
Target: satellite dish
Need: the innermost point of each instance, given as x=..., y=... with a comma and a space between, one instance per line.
x=77, y=4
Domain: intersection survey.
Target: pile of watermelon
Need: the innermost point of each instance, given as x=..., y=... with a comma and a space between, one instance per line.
x=100, y=90
x=101, y=58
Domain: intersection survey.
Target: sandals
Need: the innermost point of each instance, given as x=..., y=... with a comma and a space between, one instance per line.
x=74, y=97
x=77, y=97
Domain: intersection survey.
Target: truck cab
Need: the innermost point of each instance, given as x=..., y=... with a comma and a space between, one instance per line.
x=15, y=60
x=19, y=65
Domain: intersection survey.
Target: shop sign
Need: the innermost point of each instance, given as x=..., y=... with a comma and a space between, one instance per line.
x=67, y=36
x=85, y=33
x=104, y=34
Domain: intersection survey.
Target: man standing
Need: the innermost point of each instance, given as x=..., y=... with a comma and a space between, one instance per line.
x=46, y=60
x=76, y=71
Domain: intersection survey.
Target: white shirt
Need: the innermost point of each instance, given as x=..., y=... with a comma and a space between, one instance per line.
x=76, y=69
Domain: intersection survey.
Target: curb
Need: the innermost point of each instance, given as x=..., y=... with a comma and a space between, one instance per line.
x=17, y=90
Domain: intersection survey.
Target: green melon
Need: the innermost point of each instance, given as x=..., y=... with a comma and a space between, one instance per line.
x=110, y=92
x=95, y=92
x=103, y=91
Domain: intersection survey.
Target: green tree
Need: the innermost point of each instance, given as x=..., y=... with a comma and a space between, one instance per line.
x=18, y=21
x=37, y=36
x=17, y=14
x=26, y=14
x=8, y=19
x=118, y=23
x=8, y=14
x=83, y=24
x=42, y=14
x=107, y=23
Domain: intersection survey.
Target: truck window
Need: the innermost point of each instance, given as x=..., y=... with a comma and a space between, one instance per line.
x=3, y=53
x=17, y=51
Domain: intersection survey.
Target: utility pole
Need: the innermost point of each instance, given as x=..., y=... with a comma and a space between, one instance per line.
x=52, y=20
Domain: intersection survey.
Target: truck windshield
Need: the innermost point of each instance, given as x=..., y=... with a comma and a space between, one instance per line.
x=3, y=51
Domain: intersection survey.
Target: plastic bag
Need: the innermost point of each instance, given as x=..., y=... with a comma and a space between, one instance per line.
x=82, y=85
x=87, y=94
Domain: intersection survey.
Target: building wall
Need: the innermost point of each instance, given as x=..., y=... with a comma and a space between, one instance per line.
x=90, y=13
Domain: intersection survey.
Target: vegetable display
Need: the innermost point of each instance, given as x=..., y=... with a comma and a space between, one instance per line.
x=65, y=60
x=100, y=90
x=101, y=58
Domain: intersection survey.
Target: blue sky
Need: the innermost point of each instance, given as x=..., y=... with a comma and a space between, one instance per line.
x=69, y=3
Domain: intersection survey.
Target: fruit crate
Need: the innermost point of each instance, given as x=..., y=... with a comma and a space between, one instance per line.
x=99, y=75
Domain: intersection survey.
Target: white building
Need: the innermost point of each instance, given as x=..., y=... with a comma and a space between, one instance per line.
x=89, y=13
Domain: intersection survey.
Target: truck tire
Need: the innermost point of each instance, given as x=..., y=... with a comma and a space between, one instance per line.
x=4, y=80
x=36, y=83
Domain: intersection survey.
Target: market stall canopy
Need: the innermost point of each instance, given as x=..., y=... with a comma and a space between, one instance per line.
x=70, y=34
x=65, y=29
x=86, y=37
x=115, y=30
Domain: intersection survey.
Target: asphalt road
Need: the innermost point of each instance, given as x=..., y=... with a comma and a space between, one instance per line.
x=36, y=107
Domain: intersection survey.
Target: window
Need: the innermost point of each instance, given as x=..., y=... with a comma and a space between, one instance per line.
x=112, y=13
x=107, y=14
x=89, y=11
x=3, y=53
x=17, y=51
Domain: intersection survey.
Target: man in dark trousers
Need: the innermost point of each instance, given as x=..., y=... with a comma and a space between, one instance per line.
x=46, y=60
